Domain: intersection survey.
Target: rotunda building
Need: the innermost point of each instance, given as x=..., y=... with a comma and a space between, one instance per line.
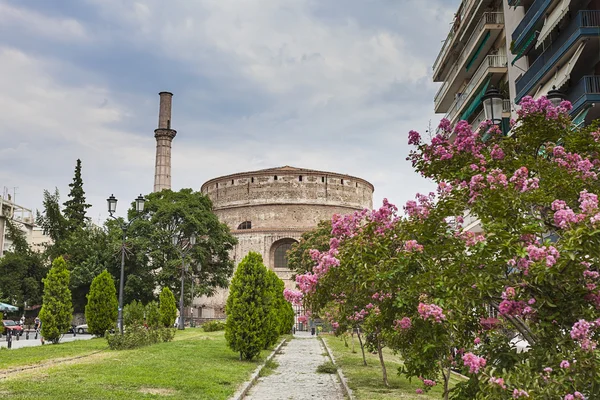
x=268, y=210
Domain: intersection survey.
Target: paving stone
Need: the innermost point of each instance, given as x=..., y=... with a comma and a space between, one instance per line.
x=296, y=378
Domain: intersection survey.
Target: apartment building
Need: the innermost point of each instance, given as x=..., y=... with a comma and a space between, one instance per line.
x=520, y=47
x=472, y=60
x=23, y=218
x=555, y=44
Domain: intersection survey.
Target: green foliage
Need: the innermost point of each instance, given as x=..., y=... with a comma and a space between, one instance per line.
x=133, y=314
x=2, y=325
x=153, y=315
x=247, y=307
x=75, y=207
x=138, y=336
x=102, y=307
x=57, y=310
x=287, y=319
x=213, y=326
x=52, y=221
x=168, y=309
x=327, y=368
x=274, y=305
x=299, y=259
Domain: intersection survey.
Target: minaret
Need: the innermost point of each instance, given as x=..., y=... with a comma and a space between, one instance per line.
x=164, y=136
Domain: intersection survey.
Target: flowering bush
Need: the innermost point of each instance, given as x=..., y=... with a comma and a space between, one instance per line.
x=439, y=292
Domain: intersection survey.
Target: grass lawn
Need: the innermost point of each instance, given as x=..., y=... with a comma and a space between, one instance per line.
x=196, y=365
x=34, y=355
x=367, y=382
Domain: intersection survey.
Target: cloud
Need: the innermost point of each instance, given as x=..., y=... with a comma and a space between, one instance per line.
x=258, y=83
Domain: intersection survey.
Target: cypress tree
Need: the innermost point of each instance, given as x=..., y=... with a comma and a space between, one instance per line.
x=274, y=307
x=101, y=309
x=57, y=310
x=247, y=307
x=153, y=315
x=168, y=309
x=75, y=207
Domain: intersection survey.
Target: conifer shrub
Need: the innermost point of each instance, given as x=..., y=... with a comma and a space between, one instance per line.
x=247, y=311
x=133, y=314
x=57, y=309
x=273, y=305
x=287, y=318
x=102, y=306
x=152, y=315
x=168, y=308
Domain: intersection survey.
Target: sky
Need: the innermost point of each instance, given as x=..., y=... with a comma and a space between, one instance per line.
x=331, y=85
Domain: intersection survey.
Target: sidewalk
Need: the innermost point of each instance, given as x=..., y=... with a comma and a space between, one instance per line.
x=296, y=378
x=22, y=342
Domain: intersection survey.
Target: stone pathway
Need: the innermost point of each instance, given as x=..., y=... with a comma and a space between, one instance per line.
x=296, y=378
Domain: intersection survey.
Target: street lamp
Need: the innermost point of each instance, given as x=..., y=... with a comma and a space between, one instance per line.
x=492, y=105
x=555, y=96
x=183, y=252
x=112, y=207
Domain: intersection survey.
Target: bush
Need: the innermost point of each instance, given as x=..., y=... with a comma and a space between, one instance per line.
x=102, y=307
x=138, y=336
x=57, y=309
x=168, y=309
x=213, y=326
x=247, y=315
x=133, y=314
x=287, y=318
x=274, y=306
x=327, y=368
x=152, y=315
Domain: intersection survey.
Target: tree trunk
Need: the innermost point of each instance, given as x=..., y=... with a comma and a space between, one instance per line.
x=380, y=352
x=353, y=346
x=446, y=382
x=362, y=348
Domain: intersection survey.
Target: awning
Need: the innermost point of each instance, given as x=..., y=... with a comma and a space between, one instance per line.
x=524, y=48
x=562, y=75
x=479, y=48
x=579, y=120
x=8, y=307
x=476, y=101
x=552, y=20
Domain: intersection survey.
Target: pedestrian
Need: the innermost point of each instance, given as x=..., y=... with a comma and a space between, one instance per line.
x=22, y=320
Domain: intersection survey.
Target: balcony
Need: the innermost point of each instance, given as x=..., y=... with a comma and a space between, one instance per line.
x=586, y=91
x=532, y=18
x=585, y=24
x=476, y=47
x=467, y=15
x=492, y=65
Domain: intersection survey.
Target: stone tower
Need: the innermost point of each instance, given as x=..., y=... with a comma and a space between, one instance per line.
x=164, y=136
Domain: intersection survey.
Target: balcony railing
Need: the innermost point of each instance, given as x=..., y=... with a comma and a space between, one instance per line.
x=535, y=12
x=487, y=19
x=587, y=85
x=506, y=105
x=583, y=19
x=451, y=35
x=489, y=62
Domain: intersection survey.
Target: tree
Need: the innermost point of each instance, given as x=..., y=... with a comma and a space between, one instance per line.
x=273, y=305
x=102, y=307
x=299, y=258
x=57, y=310
x=153, y=315
x=182, y=214
x=51, y=220
x=168, y=309
x=247, y=315
x=75, y=206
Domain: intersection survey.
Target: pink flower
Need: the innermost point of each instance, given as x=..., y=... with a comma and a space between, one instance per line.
x=497, y=153
x=414, y=138
x=429, y=382
x=419, y=391
x=564, y=364
x=477, y=340
x=432, y=311
x=474, y=362
x=498, y=381
x=412, y=246
x=445, y=125
x=517, y=393
x=404, y=323
x=293, y=296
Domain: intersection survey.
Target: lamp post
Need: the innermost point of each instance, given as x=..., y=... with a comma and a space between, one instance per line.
x=112, y=207
x=183, y=251
x=492, y=105
x=555, y=96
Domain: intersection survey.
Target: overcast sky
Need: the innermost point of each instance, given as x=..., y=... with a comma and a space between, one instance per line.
x=321, y=84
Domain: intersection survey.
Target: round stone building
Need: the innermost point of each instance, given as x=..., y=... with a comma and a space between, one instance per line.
x=268, y=210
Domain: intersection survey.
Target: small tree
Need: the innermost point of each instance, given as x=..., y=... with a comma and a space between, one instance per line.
x=133, y=314
x=75, y=207
x=57, y=309
x=287, y=318
x=168, y=309
x=273, y=307
x=246, y=313
x=101, y=309
x=152, y=315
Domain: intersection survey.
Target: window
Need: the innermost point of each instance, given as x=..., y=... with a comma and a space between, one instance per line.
x=245, y=225
x=252, y=179
x=275, y=178
x=217, y=186
x=300, y=178
x=232, y=181
x=323, y=179
x=342, y=181
x=281, y=260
